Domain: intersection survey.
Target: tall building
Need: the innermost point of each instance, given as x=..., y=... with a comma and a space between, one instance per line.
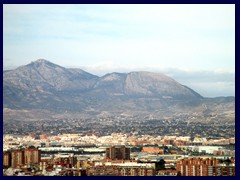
x=118, y=153
x=17, y=158
x=32, y=156
x=6, y=159
x=205, y=167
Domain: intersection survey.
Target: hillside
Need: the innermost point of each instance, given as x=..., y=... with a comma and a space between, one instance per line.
x=46, y=87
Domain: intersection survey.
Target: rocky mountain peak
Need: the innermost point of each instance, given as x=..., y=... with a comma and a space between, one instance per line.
x=42, y=86
x=73, y=87
x=43, y=63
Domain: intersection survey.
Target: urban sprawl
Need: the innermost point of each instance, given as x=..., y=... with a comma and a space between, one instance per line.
x=117, y=154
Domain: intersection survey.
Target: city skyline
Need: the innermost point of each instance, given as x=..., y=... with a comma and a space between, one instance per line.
x=194, y=44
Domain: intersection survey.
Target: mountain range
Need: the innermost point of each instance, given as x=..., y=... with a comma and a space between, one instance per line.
x=42, y=86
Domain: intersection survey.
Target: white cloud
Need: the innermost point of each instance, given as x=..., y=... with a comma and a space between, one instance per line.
x=207, y=83
x=121, y=37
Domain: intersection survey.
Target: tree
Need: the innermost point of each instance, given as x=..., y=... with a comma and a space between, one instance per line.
x=227, y=161
x=31, y=147
x=160, y=165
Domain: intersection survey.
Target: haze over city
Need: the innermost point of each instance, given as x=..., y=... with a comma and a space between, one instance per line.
x=194, y=44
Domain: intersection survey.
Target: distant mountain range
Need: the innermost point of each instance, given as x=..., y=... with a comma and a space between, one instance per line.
x=44, y=86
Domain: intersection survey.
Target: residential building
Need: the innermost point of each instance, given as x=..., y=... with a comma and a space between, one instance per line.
x=17, y=158
x=118, y=153
x=205, y=167
x=32, y=156
x=6, y=159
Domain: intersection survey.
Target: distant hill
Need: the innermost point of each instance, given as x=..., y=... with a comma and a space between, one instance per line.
x=42, y=85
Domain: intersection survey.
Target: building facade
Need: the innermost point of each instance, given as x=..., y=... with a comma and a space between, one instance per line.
x=121, y=170
x=32, y=156
x=205, y=167
x=17, y=158
x=118, y=153
x=6, y=159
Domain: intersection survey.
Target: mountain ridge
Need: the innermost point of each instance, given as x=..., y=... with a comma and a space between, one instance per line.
x=44, y=85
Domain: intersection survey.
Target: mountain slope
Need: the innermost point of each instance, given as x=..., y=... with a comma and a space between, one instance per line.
x=43, y=75
x=156, y=85
x=42, y=85
x=144, y=84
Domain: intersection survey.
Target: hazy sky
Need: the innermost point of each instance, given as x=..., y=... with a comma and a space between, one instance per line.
x=194, y=44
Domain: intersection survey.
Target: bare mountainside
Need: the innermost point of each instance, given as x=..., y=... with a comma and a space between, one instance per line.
x=44, y=90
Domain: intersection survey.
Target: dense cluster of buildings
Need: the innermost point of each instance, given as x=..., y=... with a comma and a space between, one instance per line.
x=68, y=140
x=116, y=162
x=75, y=155
x=122, y=169
x=17, y=158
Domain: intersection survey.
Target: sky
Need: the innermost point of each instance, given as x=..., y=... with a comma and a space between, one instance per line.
x=194, y=44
